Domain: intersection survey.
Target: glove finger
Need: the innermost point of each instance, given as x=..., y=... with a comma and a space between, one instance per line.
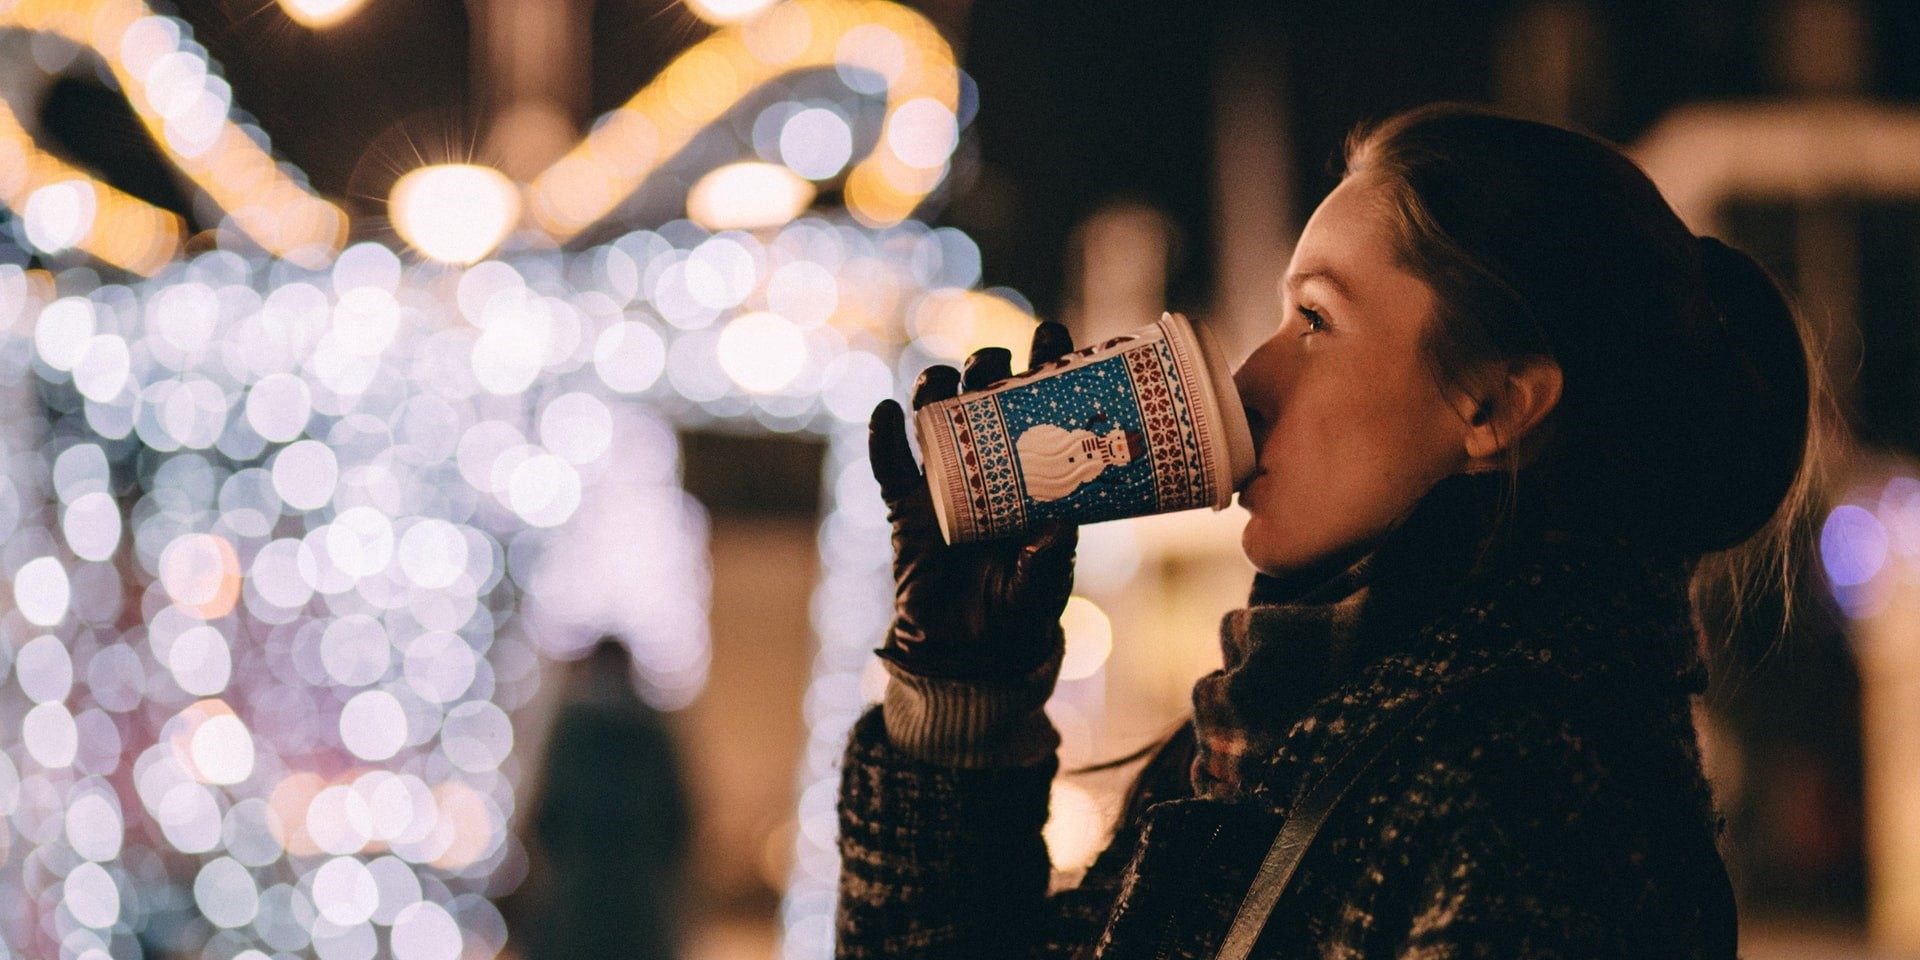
x=887, y=451
x=1048, y=555
x=987, y=365
x=935, y=384
x=1051, y=341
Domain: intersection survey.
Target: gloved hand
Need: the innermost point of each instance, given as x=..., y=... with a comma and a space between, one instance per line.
x=976, y=611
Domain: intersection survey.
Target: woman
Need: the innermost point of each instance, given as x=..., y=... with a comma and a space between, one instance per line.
x=1513, y=410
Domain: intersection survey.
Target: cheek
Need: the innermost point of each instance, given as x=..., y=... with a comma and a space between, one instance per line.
x=1341, y=465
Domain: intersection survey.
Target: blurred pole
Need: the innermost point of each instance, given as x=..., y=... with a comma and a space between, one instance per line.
x=1254, y=216
x=1548, y=64
x=1888, y=647
x=531, y=78
x=1119, y=264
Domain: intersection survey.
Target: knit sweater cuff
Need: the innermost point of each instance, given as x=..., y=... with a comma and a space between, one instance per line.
x=972, y=723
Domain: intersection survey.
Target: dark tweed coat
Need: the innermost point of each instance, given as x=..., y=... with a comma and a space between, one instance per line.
x=1558, y=812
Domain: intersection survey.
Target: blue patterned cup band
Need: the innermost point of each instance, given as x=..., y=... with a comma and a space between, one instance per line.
x=1143, y=423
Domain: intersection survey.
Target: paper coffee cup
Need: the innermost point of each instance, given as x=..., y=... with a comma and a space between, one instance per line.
x=1143, y=423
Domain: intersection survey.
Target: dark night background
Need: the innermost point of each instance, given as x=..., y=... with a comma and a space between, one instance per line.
x=1084, y=102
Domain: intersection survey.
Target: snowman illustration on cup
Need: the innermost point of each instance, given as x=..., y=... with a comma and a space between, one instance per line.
x=1056, y=461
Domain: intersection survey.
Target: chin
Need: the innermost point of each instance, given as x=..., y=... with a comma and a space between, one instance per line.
x=1257, y=543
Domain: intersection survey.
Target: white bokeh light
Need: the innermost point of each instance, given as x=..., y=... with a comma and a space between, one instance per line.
x=103, y=370
x=433, y=553
x=279, y=406
x=91, y=896
x=749, y=195
x=577, y=427
x=544, y=490
x=304, y=474
x=345, y=892
x=50, y=735
x=65, y=332
x=355, y=651
x=373, y=725
x=629, y=357
x=226, y=894
x=44, y=670
x=440, y=666
x=200, y=661
x=923, y=133
x=761, y=352
x=425, y=931
x=816, y=143
x=42, y=592
x=91, y=524
x=222, y=749
x=93, y=825
x=476, y=736
x=190, y=818
x=60, y=215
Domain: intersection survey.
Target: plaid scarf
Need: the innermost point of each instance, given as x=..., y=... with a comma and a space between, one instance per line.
x=1424, y=603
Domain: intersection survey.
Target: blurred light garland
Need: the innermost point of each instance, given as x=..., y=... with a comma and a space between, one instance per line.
x=876, y=46
x=187, y=108
x=265, y=707
x=294, y=532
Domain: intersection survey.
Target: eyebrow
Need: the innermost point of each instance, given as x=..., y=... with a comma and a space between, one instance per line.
x=1334, y=280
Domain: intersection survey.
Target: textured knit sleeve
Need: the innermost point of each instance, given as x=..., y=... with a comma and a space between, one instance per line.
x=973, y=723
x=938, y=861
x=1558, y=839
x=941, y=861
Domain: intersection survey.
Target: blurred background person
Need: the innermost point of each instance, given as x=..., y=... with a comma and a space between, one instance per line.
x=610, y=824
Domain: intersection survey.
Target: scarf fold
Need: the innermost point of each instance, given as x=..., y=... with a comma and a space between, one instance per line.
x=1444, y=591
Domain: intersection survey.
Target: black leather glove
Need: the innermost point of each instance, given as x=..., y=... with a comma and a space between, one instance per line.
x=976, y=611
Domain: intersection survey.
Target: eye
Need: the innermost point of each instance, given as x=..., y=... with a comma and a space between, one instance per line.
x=1315, y=322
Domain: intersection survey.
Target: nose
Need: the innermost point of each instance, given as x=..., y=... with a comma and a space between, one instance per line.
x=1258, y=384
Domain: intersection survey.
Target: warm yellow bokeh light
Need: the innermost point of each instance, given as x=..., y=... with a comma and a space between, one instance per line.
x=320, y=13
x=952, y=322
x=454, y=212
x=1089, y=639
x=887, y=47
x=748, y=196
x=727, y=11
x=1075, y=827
x=166, y=82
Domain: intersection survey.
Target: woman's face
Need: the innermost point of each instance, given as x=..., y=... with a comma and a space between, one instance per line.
x=1350, y=426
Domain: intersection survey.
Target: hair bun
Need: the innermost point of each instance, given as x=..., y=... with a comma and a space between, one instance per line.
x=1756, y=393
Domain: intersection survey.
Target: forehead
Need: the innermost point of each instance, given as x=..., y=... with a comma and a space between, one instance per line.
x=1349, y=236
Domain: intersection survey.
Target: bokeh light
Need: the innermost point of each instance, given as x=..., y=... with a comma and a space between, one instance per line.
x=455, y=212
x=1089, y=638
x=749, y=195
x=319, y=14
x=727, y=11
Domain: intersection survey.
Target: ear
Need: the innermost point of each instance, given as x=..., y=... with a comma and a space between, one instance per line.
x=1500, y=417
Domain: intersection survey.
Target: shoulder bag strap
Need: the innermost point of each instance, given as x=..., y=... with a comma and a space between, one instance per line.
x=1297, y=833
